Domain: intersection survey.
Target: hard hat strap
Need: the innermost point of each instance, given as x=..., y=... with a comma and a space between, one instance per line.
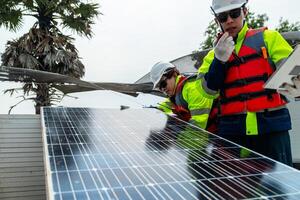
x=216, y=17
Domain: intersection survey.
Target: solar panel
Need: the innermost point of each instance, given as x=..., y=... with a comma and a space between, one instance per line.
x=144, y=154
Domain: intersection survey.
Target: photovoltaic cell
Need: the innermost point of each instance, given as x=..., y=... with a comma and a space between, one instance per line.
x=144, y=154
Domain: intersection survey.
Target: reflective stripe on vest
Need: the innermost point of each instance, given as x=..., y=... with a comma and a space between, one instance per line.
x=200, y=111
x=243, y=88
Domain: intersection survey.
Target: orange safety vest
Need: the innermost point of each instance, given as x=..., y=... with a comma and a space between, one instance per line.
x=180, y=106
x=246, y=74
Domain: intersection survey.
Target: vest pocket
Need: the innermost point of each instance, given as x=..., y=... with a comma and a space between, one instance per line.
x=274, y=121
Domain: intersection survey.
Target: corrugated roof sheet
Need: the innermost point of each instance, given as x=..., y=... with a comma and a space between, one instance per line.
x=21, y=158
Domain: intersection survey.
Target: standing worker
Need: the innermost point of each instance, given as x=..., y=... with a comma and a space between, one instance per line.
x=236, y=70
x=184, y=97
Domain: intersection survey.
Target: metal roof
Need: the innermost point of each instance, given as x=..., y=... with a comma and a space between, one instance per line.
x=21, y=158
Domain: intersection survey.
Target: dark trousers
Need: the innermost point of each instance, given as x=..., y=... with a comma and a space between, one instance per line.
x=273, y=145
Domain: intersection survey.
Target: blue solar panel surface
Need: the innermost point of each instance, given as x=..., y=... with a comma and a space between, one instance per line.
x=144, y=154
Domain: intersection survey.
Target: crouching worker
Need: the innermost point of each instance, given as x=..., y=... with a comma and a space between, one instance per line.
x=184, y=97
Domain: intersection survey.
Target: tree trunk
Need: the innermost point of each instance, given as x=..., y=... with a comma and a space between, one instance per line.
x=42, y=97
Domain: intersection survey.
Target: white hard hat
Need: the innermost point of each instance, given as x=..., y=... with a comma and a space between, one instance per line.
x=220, y=6
x=158, y=70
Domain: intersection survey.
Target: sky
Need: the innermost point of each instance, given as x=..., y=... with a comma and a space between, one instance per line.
x=133, y=35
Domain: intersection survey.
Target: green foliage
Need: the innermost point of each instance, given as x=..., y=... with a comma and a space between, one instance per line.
x=211, y=31
x=73, y=14
x=45, y=47
x=285, y=26
x=256, y=21
x=10, y=15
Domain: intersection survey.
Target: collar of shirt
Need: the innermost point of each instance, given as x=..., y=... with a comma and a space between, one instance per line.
x=240, y=38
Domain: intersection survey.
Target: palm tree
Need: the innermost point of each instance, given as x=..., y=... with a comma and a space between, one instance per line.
x=45, y=47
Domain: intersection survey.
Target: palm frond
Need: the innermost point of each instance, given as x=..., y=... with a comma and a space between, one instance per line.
x=11, y=91
x=79, y=17
x=11, y=19
x=29, y=4
x=28, y=61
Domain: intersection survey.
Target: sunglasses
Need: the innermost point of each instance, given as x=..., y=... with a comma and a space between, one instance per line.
x=235, y=13
x=163, y=83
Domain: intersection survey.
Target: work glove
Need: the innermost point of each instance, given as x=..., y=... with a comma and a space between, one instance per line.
x=292, y=90
x=224, y=47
